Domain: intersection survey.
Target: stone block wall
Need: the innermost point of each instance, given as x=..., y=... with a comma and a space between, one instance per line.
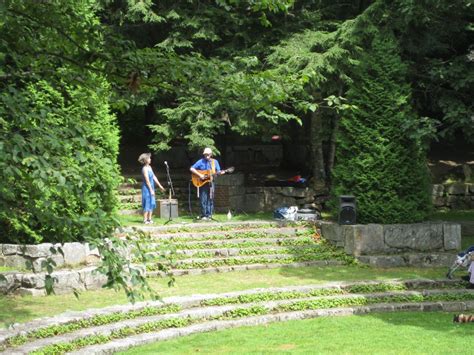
x=457, y=195
x=254, y=154
x=65, y=281
x=231, y=193
x=418, y=244
x=33, y=257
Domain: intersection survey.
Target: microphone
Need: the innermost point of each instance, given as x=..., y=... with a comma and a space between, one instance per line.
x=166, y=163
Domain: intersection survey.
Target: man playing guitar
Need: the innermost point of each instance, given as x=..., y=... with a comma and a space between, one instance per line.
x=204, y=169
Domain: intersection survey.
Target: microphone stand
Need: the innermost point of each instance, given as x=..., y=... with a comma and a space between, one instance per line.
x=171, y=191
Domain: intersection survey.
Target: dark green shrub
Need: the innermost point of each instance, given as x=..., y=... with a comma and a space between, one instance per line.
x=378, y=160
x=58, y=139
x=58, y=164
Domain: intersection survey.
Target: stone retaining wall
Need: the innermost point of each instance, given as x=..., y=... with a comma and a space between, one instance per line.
x=65, y=281
x=418, y=244
x=231, y=193
x=455, y=196
x=34, y=257
x=234, y=195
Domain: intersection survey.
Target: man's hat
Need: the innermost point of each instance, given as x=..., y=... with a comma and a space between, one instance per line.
x=207, y=151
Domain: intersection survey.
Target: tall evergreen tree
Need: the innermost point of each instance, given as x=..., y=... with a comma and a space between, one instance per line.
x=378, y=161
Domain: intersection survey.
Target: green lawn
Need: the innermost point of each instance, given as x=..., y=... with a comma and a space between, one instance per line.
x=22, y=309
x=378, y=333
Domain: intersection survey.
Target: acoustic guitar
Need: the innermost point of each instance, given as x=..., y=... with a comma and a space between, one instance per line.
x=208, y=176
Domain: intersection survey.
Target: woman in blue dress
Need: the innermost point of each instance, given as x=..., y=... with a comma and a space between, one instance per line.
x=148, y=187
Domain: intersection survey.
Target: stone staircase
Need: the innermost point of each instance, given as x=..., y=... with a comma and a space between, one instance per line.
x=192, y=249
x=130, y=193
x=117, y=328
x=235, y=246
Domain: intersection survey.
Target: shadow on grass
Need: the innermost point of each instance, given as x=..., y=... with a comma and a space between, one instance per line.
x=467, y=241
x=11, y=312
x=435, y=321
x=453, y=215
x=357, y=272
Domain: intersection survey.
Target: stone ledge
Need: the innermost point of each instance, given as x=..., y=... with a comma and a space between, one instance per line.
x=195, y=301
x=141, y=339
x=65, y=281
x=224, y=234
x=206, y=225
x=201, y=313
x=400, y=260
x=395, y=241
x=34, y=257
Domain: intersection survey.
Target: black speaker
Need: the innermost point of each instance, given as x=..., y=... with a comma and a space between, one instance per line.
x=347, y=209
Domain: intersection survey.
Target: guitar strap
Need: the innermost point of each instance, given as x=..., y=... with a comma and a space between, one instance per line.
x=213, y=166
x=213, y=171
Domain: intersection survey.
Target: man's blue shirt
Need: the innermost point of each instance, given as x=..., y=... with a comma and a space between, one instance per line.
x=203, y=164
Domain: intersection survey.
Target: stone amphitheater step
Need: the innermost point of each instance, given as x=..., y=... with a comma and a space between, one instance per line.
x=127, y=212
x=245, y=267
x=135, y=193
x=130, y=194
x=246, y=232
x=135, y=189
x=239, y=260
x=240, y=242
x=211, y=226
x=120, y=327
x=225, y=252
x=237, y=246
x=170, y=333
x=130, y=198
x=135, y=208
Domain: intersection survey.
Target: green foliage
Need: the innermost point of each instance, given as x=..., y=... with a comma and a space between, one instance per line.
x=58, y=138
x=201, y=69
x=123, y=273
x=59, y=167
x=381, y=287
x=435, y=38
x=378, y=160
x=244, y=312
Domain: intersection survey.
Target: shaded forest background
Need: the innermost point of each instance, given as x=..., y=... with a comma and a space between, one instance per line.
x=369, y=85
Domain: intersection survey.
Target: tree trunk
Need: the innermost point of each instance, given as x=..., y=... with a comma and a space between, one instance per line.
x=316, y=146
x=332, y=146
x=332, y=143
